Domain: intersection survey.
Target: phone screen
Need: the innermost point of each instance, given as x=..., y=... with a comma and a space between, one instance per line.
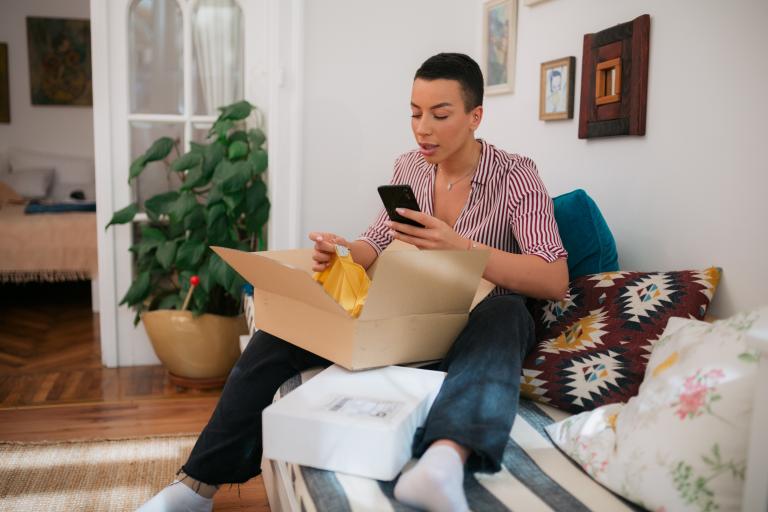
x=399, y=196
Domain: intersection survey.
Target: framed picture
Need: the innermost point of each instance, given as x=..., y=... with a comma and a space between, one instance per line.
x=59, y=61
x=532, y=2
x=5, y=92
x=499, y=42
x=614, y=80
x=556, y=89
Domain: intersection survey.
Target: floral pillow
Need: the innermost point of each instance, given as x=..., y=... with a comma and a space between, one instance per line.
x=681, y=443
x=593, y=346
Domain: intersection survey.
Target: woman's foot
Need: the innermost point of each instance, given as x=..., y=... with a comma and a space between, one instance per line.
x=180, y=496
x=436, y=482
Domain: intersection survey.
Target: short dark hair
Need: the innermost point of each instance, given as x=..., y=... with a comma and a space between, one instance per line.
x=459, y=67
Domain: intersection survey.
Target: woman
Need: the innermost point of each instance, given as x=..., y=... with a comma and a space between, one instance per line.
x=473, y=195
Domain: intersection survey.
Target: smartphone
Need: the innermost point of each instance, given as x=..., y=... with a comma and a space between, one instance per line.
x=399, y=196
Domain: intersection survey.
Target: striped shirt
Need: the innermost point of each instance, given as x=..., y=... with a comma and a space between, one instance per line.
x=508, y=206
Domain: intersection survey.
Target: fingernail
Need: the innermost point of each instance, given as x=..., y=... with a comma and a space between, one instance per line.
x=392, y=232
x=388, y=223
x=319, y=239
x=400, y=210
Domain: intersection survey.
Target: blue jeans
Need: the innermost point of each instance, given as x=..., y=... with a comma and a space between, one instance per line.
x=475, y=407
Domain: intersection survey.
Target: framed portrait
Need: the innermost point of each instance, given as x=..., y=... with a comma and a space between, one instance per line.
x=5, y=92
x=499, y=43
x=59, y=61
x=556, y=89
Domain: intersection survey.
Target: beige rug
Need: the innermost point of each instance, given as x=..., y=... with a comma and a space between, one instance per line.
x=104, y=475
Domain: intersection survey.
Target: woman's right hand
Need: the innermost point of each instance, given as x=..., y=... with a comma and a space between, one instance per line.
x=324, y=248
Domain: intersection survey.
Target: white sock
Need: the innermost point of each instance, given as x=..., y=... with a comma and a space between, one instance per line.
x=177, y=497
x=435, y=483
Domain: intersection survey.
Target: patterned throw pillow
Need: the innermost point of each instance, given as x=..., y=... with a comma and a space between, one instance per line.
x=593, y=346
x=681, y=443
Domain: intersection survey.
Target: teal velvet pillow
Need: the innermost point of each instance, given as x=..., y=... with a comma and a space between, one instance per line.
x=585, y=234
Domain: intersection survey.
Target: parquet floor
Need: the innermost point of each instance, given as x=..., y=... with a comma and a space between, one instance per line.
x=53, y=386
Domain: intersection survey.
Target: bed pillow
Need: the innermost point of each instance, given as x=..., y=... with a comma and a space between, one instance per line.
x=593, y=346
x=681, y=444
x=585, y=235
x=31, y=183
x=71, y=172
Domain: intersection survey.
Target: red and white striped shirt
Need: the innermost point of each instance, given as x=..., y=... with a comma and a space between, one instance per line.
x=508, y=207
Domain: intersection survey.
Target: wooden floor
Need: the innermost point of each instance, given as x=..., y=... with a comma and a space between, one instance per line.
x=53, y=386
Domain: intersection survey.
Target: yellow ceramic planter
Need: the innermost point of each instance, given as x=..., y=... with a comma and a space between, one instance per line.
x=203, y=347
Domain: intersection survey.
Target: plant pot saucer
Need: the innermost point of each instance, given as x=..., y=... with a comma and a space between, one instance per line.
x=196, y=383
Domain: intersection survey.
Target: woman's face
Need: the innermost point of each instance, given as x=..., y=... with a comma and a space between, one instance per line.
x=439, y=120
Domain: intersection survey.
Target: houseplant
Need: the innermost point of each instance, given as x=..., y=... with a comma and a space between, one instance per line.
x=222, y=201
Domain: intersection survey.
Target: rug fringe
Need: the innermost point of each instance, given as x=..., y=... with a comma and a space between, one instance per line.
x=103, y=439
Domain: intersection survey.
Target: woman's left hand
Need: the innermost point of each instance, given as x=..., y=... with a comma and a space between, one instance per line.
x=435, y=234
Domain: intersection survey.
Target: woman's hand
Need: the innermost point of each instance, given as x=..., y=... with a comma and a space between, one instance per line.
x=324, y=248
x=435, y=234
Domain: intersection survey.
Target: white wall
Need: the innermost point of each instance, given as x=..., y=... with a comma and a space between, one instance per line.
x=692, y=192
x=360, y=58
x=56, y=129
x=689, y=194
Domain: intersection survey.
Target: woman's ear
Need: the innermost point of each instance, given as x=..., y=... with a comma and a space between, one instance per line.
x=476, y=117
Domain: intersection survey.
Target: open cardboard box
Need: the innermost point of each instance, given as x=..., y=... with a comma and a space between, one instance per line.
x=417, y=304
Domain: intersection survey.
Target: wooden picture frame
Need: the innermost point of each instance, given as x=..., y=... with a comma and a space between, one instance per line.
x=499, y=45
x=556, y=82
x=5, y=90
x=614, y=80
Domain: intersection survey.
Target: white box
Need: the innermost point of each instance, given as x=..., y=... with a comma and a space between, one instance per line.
x=361, y=422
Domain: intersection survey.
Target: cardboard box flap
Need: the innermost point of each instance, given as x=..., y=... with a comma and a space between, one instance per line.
x=286, y=273
x=424, y=282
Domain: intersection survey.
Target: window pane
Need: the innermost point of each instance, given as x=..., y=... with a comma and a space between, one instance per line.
x=218, y=55
x=155, y=53
x=156, y=178
x=200, y=132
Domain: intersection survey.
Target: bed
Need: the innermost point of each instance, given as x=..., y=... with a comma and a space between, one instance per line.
x=46, y=247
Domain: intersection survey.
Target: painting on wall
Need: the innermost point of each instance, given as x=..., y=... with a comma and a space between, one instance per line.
x=614, y=80
x=556, y=89
x=59, y=61
x=5, y=93
x=499, y=41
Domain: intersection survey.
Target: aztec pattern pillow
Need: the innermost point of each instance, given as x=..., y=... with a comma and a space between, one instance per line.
x=594, y=345
x=681, y=443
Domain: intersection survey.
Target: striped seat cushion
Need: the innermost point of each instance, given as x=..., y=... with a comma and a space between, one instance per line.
x=535, y=476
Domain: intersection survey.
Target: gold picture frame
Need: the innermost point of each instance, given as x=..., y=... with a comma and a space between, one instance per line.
x=5, y=90
x=556, y=89
x=499, y=45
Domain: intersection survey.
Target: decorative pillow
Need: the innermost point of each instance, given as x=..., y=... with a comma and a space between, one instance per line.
x=7, y=194
x=30, y=184
x=593, y=346
x=681, y=444
x=585, y=234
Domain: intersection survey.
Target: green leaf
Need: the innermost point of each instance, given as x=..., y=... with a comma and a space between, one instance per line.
x=221, y=127
x=749, y=357
x=137, y=166
x=236, y=288
x=237, y=149
x=255, y=221
x=259, y=161
x=238, y=135
x=182, y=206
x=233, y=200
x=189, y=254
x=124, y=216
x=138, y=291
x=172, y=301
x=254, y=196
x=186, y=161
x=256, y=137
x=236, y=111
x=195, y=178
x=151, y=238
x=159, y=149
x=239, y=174
x=195, y=147
x=204, y=274
x=221, y=273
x=166, y=253
x=195, y=218
x=160, y=204
x=214, y=153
